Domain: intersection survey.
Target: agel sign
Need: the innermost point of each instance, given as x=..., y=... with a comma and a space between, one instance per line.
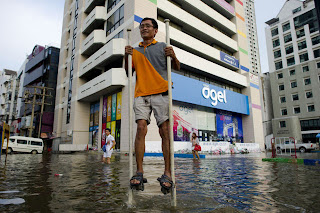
x=215, y=96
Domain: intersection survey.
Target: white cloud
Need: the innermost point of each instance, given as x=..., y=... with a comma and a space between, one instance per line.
x=26, y=23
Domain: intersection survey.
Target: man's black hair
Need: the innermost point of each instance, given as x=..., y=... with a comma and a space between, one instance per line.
x=154, y=22
x=108, y=129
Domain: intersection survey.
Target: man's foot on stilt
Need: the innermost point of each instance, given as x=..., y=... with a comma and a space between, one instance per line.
x=165, y=183
x=137, y=181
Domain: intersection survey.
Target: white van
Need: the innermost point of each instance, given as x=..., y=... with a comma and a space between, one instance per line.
x=24, y=144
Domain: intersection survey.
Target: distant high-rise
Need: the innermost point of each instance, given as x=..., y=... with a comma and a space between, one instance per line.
x=293, y=44
x=252, y=36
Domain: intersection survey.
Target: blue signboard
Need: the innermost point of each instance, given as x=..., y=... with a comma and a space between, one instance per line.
x=229, y=59
x=196, y=92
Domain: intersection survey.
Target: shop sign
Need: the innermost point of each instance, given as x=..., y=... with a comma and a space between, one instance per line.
x=215, y=96
x=193, y=91
x=229, y=59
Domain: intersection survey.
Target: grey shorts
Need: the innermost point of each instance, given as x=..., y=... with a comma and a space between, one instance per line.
x=144, y=105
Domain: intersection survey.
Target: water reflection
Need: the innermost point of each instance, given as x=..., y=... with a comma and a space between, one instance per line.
x=238, y=183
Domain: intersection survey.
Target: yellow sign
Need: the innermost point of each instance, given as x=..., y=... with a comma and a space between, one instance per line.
x=113, y=128
x=119, y=98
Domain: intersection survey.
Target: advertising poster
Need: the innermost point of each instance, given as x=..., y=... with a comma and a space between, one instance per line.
x=229, y=126
x=114, y=107
x=184, y=122
x=113, y=128
x=103, y=136
x=109, y=109
x=91, y=114
x=90, y=138
x=117, y=136
x=119, y=99
x=96, y=114
x=95, y=136
x=109, y=125
x=104, y=109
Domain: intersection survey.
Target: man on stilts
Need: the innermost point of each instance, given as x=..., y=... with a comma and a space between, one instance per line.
x=151, y=94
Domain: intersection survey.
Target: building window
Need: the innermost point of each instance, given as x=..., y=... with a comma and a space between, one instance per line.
x=274, y=32
x=277, y=54
x=302, y=45
x=311, y=108
x=276, y=42
x=284, y=112
x=305, y=69
x=280, y=75
x=296, y=10
x=290, y=61
x=278, y=65
x=282, y=124
x=115, y=20
x=304, y=57
x=318, y=65
x=312, y=124
x=282, y=99
x=112, y=4
x=315, y=40
x=305, y=18
x=295, y=97
x=296, y=110
x=300, y=33
x=309, y=94
x=281, y=87
x=292, y=72
x=286, y=27
x=313, y=26
x=289, y=49
x=307, y=81
x=287, y=38
x=316, y=53
x=293, y=84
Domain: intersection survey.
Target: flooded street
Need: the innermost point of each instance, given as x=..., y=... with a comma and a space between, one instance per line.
x=226, y=183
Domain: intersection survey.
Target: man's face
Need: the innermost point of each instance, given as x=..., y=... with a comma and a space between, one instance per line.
x=107, y=132
x=147, y=31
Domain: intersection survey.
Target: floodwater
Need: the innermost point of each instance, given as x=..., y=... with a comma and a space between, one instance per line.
x=226, y=183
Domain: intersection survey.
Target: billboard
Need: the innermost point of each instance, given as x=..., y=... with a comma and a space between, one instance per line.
x=229, y=126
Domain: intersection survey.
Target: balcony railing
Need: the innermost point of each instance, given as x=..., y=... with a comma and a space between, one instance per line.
x=107, y=82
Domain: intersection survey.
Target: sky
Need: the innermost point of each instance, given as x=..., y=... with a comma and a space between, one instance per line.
x=26, y=23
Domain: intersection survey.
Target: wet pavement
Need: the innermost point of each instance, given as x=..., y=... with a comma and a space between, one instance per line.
x=223, y=183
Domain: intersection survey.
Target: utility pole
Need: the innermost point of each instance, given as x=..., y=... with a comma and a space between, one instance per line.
x=43, y=95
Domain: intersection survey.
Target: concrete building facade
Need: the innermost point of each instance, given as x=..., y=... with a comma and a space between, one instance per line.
x=8, y=95
x=293, y=45
x=215, y=94
x=40, y=71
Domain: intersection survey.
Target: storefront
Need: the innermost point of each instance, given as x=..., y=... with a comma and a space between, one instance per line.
x=111, y=118
x=214, y=113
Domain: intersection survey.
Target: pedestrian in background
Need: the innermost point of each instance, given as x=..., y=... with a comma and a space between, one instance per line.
x=110, y=144
x=195, y=146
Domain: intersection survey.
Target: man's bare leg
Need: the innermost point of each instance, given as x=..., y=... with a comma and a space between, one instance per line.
x=164, y=133
x=142, y=129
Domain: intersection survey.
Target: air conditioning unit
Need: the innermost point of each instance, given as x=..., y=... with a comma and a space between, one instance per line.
x=69, y=132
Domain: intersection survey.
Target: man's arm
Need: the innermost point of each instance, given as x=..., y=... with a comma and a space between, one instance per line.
x=169, y=52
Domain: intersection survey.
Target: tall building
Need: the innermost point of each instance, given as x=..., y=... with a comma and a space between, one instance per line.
x=252, y=36
x=40, y=71
x=215, y=93
x=293, y=45
x=8, y=95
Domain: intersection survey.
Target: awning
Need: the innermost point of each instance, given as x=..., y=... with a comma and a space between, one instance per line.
x=318, y=135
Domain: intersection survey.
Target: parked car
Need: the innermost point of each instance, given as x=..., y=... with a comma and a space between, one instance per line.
x=302, y=147
x=24, y=144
